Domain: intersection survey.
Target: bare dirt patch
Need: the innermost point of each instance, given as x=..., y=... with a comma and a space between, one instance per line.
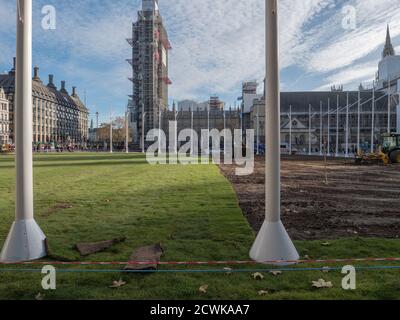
x=357, y=201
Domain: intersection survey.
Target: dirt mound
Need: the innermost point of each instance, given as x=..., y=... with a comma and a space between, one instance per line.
x=361, y=201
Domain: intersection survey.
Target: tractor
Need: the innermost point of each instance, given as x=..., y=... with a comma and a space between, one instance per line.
x=389, y=151
x=391, y=147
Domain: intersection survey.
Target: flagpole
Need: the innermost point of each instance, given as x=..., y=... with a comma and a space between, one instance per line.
x=159, y=131
x=258, y=131
x=224, y=115
x=309, y=130
x=337, y=127
x=111, y=132
x=127, y=132
x=290, y=130
x=373, y=118
x=347, y=125
x=389, y=111
x=143, y=131
x=191, y=137
x=25, y=240
x=358, y=120
x=320, y=129
x=272, y=242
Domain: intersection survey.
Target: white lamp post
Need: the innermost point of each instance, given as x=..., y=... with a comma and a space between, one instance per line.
x=358, y=120
x=126, y=132
x=191, y=136
x=388, y=110
x=290, y=130
x=159, y=131
x=347, y=125
x=224, y=115
x=373, y=119
x=337, y=127
x=208, y=130
x=258, y=130
x=143, y=119
x=309, y=130
x=329, y=127
x=273, y=242
x=111, y=132
x=26, y=240
x=176, y=133
x=320, y=128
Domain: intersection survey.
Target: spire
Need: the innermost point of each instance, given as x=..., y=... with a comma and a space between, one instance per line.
x=388, y=50
x=150, y=5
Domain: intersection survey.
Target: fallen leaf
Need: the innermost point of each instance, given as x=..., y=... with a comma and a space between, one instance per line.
x=257, y=276
x=39, y=296
x=276, y=272
x=203, y=288
x=118, y=284
x=262, y=293
x=321, y=283
x=326, y=269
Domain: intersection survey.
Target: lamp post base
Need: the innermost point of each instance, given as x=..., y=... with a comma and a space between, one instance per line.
x=273, y=244
x=25, y=242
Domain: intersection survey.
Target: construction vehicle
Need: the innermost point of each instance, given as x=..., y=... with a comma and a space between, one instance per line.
x=388, y=151
x=5, y=148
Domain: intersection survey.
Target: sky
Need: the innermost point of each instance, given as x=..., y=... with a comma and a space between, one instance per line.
x=217, y=44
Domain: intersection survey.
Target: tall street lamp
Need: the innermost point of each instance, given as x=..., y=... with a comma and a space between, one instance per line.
x=26, y=241
x=273, y=242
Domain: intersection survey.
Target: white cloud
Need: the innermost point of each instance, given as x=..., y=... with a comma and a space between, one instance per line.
x=217, y=44
x=340, y=48
x=351, y=76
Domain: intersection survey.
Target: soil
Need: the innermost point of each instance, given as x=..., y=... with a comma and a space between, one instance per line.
x=357, y=201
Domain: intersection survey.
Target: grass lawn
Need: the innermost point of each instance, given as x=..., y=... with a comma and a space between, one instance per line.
x=192, y=210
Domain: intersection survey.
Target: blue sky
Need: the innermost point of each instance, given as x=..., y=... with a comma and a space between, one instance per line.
x=217, y=44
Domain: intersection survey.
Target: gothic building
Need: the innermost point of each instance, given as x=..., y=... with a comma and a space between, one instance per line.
x=369, y=112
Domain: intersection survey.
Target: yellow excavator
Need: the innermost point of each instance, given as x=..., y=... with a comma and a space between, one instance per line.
x=4, y=148
x=388, y=151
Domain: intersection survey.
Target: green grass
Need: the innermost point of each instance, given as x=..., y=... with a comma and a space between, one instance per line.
x=191, y=210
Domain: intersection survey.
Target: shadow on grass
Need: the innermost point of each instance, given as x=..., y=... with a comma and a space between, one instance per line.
x=81, y=164
x=68, y=160
x=75, y=157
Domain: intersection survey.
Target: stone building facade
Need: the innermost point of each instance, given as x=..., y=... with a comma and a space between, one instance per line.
x=4, y=119
x=58, y=117
x=328, y=110
x=201, y=120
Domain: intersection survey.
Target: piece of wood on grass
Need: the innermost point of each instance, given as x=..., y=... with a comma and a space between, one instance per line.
x=145, y=258
x=86, y=249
